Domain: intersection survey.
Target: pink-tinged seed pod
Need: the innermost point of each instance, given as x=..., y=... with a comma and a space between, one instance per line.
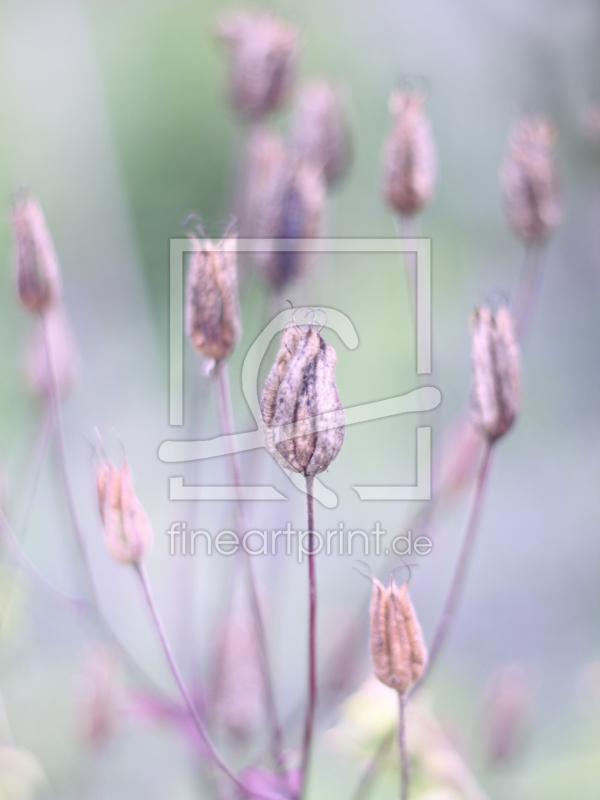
x=529, y=182
x=65, y=355
x=299, y=389
x=319, y=130
x=37, y=271
x=409, y=162
x=496, y=372
x=397, y=646
x=263, y=52
x=212, y=308
x=127, y=529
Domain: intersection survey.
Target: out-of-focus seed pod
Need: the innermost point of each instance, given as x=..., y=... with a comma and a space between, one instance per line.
x=496, y=380
x=263, y=53
x=397, y=647
x=508, y=704
x=37, y=271
x=528, y=179
x=319, y=131
x=212, y=307
x=65, y=356
x=99, y=695
x=299, y=389
x=127, y=529
x=409, y=163
x=590, y=124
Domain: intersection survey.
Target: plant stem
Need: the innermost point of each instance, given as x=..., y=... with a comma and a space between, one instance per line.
x=402, y=700
x=312, y=639
x=368, y=775
x=528, y=287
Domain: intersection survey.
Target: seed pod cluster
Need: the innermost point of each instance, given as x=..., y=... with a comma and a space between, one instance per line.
x=263, y=52
x=496, y=382
x=212, y=308
x=64, y=353
x=409, y=163
x=299, y=388
x=528, y=179
x=397, y=647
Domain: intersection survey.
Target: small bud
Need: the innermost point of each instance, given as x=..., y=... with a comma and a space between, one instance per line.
x=263, y=52
x=319, y=133
x=496, y=382
x=212, y=310
x=126, y=526
x=409, y=164
x=300, y=387
x=38, y=276
x=397, y=647
x=65, y=357
x=99, y=695
x=528, y=179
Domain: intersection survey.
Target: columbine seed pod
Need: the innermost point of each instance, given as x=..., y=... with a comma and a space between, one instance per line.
x=212, y=309
x=409, y=163
x=496, y=383
x=319, y=133
x=263, y=51
x=528, y=179
x=300, y=387
x=397, y=647
x=127, y=528
x=37, y=272
x=65, y=356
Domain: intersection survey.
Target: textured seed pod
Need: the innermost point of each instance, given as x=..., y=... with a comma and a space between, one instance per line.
x=65, y=356
x=496, y=381
x=397, y=647
x=528, y=179
x=212, y=308
x=99, y=695
x=409, y=162
x=300, y=387
x=319, y=132
x=37, y=271
x=263, y=52
x=127, y=528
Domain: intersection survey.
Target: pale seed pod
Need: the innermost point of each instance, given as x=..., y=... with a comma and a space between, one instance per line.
x=299, y=388
x=409, y=162
x=99, y=695
x=263, y=53
x=397, y=647
x=64, y=353
x=127, y=529
x=528, y=180
x=212, y=307
x=496, y=380
x=319, y=131
x=508, y=705
x=37, y=271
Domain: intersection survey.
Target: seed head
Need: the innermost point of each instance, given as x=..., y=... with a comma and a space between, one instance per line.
x=212, y=308
x=409, y=164
x=37, y=272
x=528, y=178
x=299, y=388
x=263, y=53
x=496, y=382
x=397, y=647
x=64, y=353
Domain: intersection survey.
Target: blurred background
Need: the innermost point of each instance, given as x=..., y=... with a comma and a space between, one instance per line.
x=117, y=114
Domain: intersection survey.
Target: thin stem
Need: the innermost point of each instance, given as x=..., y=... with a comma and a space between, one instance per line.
x=402, y=700
x=528, y=286
x=312, y=638
x=405, y=229
x=366, y=780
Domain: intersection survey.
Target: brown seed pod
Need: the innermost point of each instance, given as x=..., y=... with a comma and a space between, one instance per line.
x=65, y=356
x=263, y=52
x=37, y=271
x=212, y=308
x=409, y=163
x=397, y=647
x=528, y=179
x=299, y=388
x=319, y=132
x=496, y=382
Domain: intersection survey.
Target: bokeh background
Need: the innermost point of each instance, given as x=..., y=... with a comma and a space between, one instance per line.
x=116, y=113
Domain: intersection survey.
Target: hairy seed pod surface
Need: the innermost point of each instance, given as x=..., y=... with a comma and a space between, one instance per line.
x=397, y=647
x=299, y=388
x=127, y=529
x=496, y=381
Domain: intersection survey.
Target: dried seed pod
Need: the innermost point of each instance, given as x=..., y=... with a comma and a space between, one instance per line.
x=127, y=528
x=528, y=178
x=397, y=647
x=99, y=695
x=37, y=271
x=64, y=353
x=409, y=163
x=212, y=309
x=319, y=133
x=300, y=387
x=496, y=382
x=263, y=51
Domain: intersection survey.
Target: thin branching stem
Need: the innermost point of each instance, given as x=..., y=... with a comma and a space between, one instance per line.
x=404, y=777
x=312, y=639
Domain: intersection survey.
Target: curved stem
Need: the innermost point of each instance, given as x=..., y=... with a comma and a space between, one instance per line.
x=402, y=700
x=312, y=639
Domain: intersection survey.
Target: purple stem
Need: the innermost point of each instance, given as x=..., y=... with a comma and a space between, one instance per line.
x=312, y=639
